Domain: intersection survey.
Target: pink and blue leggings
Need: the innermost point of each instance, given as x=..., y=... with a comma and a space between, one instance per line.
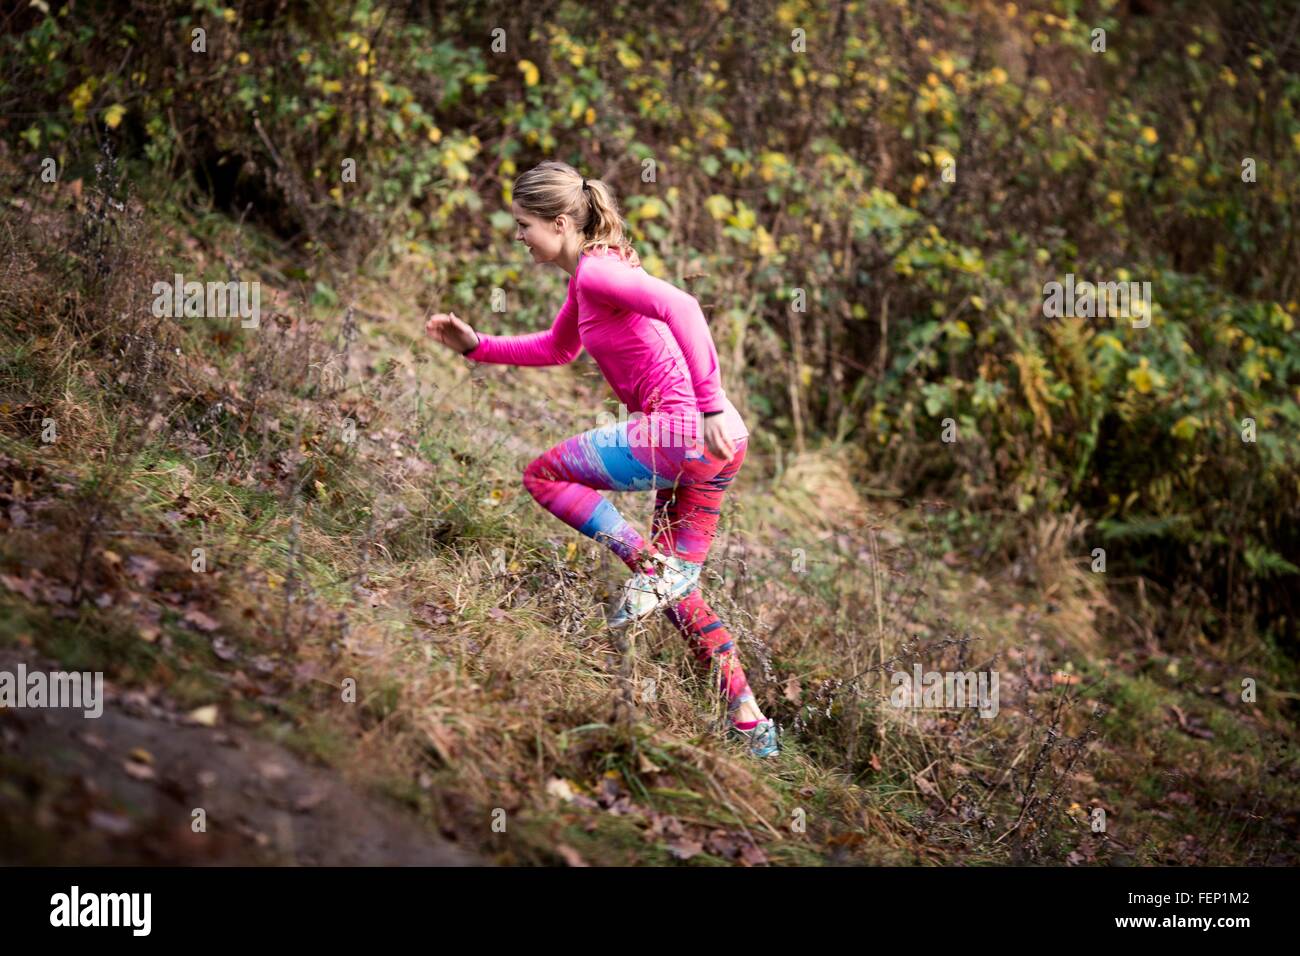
x=638, y=455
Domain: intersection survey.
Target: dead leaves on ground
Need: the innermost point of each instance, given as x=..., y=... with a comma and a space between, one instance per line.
x=684, y=839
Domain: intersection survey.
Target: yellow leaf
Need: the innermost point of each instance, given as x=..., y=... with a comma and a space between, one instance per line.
x=1144, y=378
x=719, y=207
x=1185, y=428
x=113, y=115
x=650, y=209
x=531, y=74
x=81, y=96
x=206, y=716
x=744, y=217
x=1150, y=136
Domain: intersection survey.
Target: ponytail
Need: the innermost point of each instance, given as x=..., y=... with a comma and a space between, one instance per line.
x=552, y=189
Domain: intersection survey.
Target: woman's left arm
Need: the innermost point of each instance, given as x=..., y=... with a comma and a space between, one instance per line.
x=640, y=292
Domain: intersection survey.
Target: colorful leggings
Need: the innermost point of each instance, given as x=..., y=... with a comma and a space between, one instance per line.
x=638, y=455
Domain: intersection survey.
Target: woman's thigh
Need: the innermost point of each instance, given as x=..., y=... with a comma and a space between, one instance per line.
x=628, y=456
x=686, y=515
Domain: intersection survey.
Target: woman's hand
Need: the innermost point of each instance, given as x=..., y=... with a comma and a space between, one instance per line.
x=451, y=331
x=716, y=439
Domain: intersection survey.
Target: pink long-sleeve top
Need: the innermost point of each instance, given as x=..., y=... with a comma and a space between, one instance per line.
x=648, y=337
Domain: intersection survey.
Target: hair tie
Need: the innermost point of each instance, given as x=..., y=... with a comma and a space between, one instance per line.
x=584, y=183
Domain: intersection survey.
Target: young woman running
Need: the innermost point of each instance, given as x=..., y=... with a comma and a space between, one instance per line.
x=651, y=342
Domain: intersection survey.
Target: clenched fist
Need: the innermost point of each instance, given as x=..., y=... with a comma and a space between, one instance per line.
x=451, y=331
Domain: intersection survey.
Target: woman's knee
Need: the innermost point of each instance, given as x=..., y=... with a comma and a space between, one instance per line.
x=537, y=475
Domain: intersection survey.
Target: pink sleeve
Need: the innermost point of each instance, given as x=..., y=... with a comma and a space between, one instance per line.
x=558, y=345
x=638, y=291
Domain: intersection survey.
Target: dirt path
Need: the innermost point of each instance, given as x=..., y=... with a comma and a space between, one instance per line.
x=122, y=789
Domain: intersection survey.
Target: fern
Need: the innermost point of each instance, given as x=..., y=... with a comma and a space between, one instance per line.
x=1143, y=526
x=1264, y=563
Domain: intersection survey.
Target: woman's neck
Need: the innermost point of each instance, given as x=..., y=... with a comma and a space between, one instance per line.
x=569, y=255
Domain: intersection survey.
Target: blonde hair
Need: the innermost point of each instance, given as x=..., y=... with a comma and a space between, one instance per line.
x=552, y=188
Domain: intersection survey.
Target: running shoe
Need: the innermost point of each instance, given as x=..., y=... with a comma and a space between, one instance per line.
x=761, y=738
x=644, y=593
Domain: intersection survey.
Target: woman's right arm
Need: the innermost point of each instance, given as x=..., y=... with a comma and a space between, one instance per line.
x=558, y=345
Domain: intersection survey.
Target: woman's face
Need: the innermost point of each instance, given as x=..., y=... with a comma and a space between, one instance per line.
x=541, y=236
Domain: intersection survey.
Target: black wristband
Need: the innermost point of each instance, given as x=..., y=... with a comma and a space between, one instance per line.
x=707, y=414
x=474, y=346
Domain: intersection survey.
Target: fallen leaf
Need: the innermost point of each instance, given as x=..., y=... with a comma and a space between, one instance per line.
x=685, y=849
x=570, y=855
x=200, y=620
x=558, y=787
x=310, y=800
x=272, y=771
x=925, y=786
x=793, y=690
x=24, y=586
x=751, y=855
x=114, y=823
x=647, y=765
x=137, y=771
x=143, y=570
x=205, y=716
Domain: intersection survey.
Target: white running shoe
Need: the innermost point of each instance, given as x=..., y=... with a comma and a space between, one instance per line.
x=644, y=593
